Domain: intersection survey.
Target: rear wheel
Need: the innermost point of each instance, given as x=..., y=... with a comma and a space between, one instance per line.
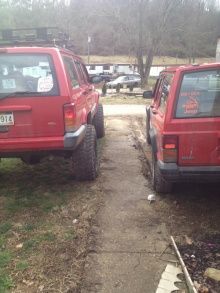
x=85, y=157
x=159, y=183
x=98, y=122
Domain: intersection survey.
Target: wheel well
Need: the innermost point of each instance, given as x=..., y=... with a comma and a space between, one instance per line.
x=153, y=144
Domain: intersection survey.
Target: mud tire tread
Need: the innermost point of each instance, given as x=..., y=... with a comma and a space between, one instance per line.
x=85, y=162
x=160, y=185
x=98, y=122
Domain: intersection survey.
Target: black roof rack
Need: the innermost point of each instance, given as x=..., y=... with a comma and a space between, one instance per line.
x=39, y=36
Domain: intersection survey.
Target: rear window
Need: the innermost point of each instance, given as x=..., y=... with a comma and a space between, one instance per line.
x=27, y=73
x=199, y=95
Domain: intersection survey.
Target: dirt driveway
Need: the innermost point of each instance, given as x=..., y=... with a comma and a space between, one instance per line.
x=128, y=237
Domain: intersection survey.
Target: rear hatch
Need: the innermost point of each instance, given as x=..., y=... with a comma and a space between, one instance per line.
x=197, y=119
x=30, y=105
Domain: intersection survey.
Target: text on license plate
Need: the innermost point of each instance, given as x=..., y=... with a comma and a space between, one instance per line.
x=6, y=119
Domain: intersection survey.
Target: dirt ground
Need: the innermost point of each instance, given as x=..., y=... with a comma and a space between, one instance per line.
x=58, y=235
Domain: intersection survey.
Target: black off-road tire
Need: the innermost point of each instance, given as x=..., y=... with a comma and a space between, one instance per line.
x=148, y=130
x=98, y=122
x=160, y=185
x=85, y=157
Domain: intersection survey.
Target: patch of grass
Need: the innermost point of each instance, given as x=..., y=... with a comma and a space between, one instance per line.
x=22, y=265
x=34, y=242
x=29, y=244
x=45, y=203
x=5, y=227
x=29, y=227
x=48, y=236
x=2, y=242
x=5, y=282
x=70, y=235
x=5, y=258
x=132, y=59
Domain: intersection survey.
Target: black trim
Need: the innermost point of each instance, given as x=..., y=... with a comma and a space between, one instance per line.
x=174, y=173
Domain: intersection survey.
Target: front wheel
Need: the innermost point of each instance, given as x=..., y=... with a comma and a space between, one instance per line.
x=98, y=122
x=159, y=183
x=85, y=157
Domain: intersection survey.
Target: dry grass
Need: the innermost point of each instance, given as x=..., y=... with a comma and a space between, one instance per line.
x=45, y=219
x=132, y=59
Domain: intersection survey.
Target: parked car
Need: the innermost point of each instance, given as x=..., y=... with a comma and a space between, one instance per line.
x=125, y=81
x=48, y=105
x=106, y=77
x=183, y=126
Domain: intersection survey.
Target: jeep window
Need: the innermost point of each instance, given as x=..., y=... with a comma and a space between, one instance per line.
x=80, y=72
x=164, y=91
x=85, y=72
x=199, y=95
x=71, y=72
x=27, y=74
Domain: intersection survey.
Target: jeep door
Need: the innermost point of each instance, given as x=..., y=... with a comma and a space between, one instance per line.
x=197, y=118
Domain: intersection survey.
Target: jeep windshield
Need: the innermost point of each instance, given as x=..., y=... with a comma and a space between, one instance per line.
x=199, y=95
x=27, y=74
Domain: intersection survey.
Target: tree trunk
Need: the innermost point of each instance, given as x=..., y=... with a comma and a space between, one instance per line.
x=148, y=64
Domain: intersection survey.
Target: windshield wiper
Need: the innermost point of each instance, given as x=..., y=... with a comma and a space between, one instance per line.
x=13, y=94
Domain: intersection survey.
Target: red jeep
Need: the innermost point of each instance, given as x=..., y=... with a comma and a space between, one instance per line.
x=183, y=125
x=48, y=105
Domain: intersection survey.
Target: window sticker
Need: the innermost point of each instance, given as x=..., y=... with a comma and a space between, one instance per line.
x=45, y=84
x=192, y=104
x=8, y=84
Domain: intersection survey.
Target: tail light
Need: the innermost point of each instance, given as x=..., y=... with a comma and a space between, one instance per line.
x=170, y=148
x=69, y=117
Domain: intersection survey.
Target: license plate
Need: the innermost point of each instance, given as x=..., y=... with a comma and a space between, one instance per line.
x=6, y=119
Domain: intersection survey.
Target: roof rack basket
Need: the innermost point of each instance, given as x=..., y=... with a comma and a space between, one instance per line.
x=39, y=36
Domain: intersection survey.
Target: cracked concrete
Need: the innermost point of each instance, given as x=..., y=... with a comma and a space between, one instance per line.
x=128, y=238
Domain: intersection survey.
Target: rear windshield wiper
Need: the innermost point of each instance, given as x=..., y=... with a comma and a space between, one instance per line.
x=13, y=94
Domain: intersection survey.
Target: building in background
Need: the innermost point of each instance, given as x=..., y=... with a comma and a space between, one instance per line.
x=121, y=69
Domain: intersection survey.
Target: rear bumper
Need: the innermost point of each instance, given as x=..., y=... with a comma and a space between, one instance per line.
x=174, y=173
x=68, y=142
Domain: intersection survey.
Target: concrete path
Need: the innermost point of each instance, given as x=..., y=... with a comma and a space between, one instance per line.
x=128, y=237
x=124, y=110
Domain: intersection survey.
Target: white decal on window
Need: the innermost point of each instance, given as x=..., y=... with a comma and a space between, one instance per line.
x=45, y=84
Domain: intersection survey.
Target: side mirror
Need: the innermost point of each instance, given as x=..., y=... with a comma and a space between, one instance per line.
x=147, y=94
x=96, y=79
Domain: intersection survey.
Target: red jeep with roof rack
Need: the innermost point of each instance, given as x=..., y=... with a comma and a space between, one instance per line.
x=48, y=104
x=183, y=125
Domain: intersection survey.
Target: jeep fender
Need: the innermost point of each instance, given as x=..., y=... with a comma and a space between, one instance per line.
x=151, y=132
x=153, y=142
x=84, y=116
